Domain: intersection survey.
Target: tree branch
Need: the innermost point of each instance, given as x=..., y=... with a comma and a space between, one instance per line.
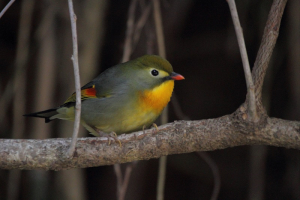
x=173, y=138
x=267, y=45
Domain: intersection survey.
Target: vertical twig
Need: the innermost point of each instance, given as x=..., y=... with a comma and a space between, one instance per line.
x=240, y=37
x=6, y=7
x=161, y=178
x=164, y=116
x=140, y=24
x=123, y=184
x=17, y=88
x=159, y=29
x=77, y=80
x=257, y=173
x=129, y=32
x=117, y=168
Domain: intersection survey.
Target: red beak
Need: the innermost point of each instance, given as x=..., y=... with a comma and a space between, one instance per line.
x=176, y=76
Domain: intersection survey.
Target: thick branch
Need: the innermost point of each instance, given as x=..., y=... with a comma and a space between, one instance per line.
x=173, y=138
x=267, y=45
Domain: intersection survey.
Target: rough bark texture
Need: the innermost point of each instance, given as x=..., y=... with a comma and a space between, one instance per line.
x=267, y=45
x=174, y=138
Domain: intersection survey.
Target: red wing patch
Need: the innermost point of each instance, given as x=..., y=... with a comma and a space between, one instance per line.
x=89, y=92
x=85, y=94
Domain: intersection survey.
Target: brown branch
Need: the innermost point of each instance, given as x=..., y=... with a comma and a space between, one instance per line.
x=267, y=45
x=173, y=138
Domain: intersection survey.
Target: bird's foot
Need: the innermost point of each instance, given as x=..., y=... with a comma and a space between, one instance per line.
x=110, y=136
x=156, y=128
x=115, y=137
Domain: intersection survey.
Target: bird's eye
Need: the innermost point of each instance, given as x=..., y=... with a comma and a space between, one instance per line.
x=154, y=72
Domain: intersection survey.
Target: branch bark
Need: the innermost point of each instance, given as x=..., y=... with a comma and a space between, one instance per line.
x=173, y=138
x=267, y=45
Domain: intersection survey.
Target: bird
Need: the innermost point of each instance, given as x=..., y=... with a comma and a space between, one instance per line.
x=124, y=98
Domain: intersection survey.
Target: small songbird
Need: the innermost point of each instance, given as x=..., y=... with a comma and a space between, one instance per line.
x=124, y=98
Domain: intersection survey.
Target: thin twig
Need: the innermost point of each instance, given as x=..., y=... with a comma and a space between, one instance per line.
x=240, y=37
x=159, y=29
x=140, y=24
x=149, y=33
x=17, y=89
x=128, y=171
x=215, y=170
x=10, y=89
x=164, y=116
x=121, y=184
x=129, y=32
x=6, y=7
x=77, y=80
x=257, y=174
x=161, y=178
x=118, y=172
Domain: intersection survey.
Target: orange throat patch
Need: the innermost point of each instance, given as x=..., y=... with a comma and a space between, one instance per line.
x=157, y=98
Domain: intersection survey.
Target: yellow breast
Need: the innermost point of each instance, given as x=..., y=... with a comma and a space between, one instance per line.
x=156, y=99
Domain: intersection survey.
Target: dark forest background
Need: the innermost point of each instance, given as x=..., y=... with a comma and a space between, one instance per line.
x=36, y=74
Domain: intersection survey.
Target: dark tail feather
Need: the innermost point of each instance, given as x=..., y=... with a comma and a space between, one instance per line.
x=46, y=114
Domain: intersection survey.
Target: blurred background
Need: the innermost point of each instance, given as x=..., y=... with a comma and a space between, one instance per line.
x=36, y=74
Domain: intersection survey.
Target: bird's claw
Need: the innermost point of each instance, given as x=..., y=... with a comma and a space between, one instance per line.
x=115, y=137
x=156, y=128
x=109, y=136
